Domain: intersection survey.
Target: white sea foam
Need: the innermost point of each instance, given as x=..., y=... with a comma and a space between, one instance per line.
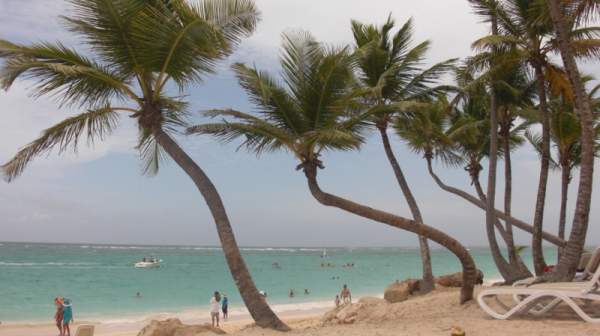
x=268, y=249
x=7, y=263
x=201, y=314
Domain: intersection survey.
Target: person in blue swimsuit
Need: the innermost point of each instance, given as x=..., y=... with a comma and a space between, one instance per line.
x=225, y=307
x=67, y=317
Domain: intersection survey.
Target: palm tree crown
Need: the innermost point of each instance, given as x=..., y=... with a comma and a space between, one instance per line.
x=137, y=48
x=306, y=112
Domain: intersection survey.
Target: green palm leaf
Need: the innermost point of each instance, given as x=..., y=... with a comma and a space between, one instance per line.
x=93, y=125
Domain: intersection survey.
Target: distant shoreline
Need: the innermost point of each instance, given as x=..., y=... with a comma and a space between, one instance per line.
x=315, y=247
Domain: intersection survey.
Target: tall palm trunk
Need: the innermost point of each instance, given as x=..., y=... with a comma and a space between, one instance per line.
x=490, y=216
x=510, y=243
x=513, y=258
x=538, y=219
x=257, y=306
x=482, y=205
x=564, y=194
x=568, y=263
x=427, y=284
x=510, y=272
x=468, y=265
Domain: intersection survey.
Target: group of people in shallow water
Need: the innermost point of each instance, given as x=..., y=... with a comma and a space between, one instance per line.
x=218, y=304
x=63, y=315
x=292, y=293
x=330, y=265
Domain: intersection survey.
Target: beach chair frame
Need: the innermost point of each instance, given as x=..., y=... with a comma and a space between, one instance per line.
x=544, y=298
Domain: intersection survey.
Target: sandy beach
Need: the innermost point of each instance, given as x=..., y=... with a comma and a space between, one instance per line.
x=432, y=314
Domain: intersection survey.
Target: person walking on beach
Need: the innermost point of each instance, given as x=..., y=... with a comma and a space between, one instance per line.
x=225, y=307
x=337, y=301
x=67, y=317
x=346, y=295
x=215, y=309
x=58, y=316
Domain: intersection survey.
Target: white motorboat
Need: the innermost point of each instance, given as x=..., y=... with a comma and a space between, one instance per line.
x=148, y=263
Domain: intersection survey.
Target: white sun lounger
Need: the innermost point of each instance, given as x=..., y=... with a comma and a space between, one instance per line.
x=528, y=299
x=591, y=265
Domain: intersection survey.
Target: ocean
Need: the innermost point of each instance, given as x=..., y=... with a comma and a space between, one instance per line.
x=102, y=282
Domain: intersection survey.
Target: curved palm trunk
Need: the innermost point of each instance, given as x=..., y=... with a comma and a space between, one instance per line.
x=482, y=205
x=510, y=272
x=490, y=216
x=468, y=265
x=257, y=306
x=538, y=219
x=564, y=194
x=568, y=263
x=427, y=284
x=513, y=258
x=483, y=198
x=510, y=243
x=501, y=264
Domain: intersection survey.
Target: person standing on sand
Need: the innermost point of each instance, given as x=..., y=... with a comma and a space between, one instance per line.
x=67, y=317
x=58, y=316
x=346, y=295
x=215, y=308
x=337, y=301
x=225, y=307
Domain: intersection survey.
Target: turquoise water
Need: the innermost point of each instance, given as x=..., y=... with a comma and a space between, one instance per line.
x=101, y=279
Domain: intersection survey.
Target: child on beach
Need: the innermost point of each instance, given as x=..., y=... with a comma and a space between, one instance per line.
x=337, y=301
x=67, y=317
x=225, y=307
x=215, y=308
x=58, y=316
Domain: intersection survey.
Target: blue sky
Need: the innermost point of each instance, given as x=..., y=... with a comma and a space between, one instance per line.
x=99, y=196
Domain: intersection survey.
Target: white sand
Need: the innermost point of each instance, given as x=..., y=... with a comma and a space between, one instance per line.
x=432, y=314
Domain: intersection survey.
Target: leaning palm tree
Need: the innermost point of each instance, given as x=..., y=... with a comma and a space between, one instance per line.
x=470, y=134
x=564, y=15
x=390, y=71
x=565, y=133
x=309, y=115
x=140, y=50
x=526, y=26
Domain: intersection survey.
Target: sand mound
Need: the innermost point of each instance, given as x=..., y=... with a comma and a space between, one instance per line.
x=367, y=310
x=174, y=327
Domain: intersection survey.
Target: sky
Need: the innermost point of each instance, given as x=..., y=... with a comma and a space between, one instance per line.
x=98, y=195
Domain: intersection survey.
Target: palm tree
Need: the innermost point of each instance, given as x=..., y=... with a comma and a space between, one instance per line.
x=526, y=26
x=470, y=134
x=139, y=49
x=565, y=133
x=390, y=71
x=309, y=115
x=563, y=18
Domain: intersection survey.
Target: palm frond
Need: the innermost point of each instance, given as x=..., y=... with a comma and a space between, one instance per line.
x=72, y=78
x=93, y=125
x=151, y=153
